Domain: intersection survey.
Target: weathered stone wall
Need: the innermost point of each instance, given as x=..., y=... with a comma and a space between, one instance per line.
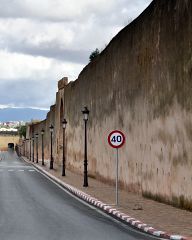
x=140, y=84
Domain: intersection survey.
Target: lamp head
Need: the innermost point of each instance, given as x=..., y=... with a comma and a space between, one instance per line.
x=85, y=112
x=64, y=122
x=51, y=128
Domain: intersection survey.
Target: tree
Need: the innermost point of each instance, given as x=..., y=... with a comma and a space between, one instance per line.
x=94, y=54
x=22, y=131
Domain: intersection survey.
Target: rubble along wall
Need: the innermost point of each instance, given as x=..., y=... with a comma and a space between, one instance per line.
x=140, y=84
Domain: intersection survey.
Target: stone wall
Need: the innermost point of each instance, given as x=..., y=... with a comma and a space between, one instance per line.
x=140, y=84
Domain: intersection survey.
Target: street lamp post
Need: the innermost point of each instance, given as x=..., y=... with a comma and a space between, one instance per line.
x=37, y=135
x=33, y=139
x=85, y=118
x=24, y=141
x=42, y=146
x=29, y=149
x=19, y=150
x=51, y=131
x=64, y=122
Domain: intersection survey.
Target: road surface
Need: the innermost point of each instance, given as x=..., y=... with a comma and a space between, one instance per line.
x=33, y=208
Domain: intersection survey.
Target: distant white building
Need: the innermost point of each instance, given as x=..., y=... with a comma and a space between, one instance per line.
x=8, y=130
x=12, y=124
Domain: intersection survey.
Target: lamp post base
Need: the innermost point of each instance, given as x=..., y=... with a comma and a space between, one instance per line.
x=63, y=170
x=85, y=185
x=51, y=165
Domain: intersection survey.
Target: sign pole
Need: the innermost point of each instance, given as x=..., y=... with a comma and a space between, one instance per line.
x=117, y=177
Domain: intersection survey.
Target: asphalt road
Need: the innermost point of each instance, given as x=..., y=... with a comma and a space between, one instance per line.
x=33, y=208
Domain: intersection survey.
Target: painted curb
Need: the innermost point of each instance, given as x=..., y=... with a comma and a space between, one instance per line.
x=110, y=210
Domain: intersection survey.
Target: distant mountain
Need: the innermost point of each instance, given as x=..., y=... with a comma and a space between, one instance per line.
x=21, y=114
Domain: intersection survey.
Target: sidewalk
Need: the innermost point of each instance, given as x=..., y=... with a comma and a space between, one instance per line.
x=158, y=215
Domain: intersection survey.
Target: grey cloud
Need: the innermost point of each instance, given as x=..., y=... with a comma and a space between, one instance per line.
x=25, y=92
x=89, y=27
x=104, y=24
x=123, y=14
x=60, y=11
x=18, y=9
x=78, y=50
x=51, y=50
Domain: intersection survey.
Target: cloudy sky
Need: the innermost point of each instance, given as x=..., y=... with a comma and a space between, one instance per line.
x=42, y=41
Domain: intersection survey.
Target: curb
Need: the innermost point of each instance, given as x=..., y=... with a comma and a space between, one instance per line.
x=110, y=210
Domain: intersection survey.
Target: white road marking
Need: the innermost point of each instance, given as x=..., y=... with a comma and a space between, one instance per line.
x=13, y=166
x=18, y=170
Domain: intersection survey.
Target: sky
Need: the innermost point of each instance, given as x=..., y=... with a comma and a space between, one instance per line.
x=42, y=41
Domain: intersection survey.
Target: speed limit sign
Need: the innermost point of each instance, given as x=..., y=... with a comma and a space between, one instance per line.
x=116, y=139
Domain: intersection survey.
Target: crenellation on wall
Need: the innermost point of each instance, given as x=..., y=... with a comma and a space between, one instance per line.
x=62, y=83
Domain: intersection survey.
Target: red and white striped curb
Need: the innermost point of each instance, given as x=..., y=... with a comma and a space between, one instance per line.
x=113, y=211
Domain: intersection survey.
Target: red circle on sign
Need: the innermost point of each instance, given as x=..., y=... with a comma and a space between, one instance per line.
x=118, y=133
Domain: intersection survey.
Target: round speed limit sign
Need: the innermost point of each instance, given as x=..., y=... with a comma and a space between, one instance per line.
x=116, y=139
